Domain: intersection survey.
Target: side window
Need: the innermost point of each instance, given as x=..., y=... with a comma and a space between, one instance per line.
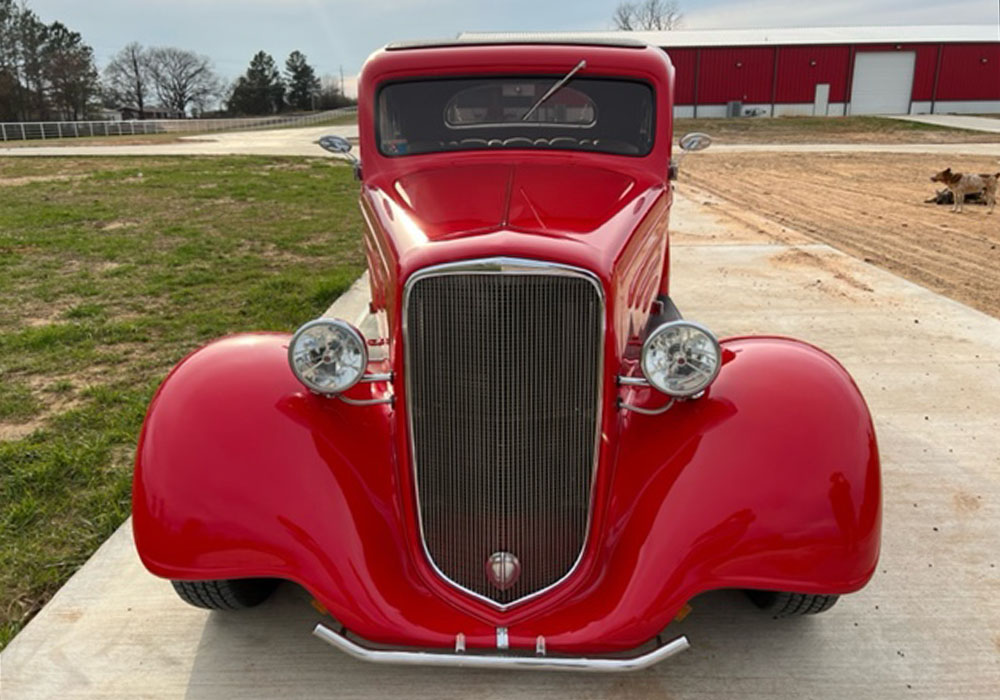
x=391, y=135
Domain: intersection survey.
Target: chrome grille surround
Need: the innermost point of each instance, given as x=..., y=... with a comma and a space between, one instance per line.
x=502, y=266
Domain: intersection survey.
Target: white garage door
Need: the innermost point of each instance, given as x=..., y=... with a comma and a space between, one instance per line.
x=883, y=82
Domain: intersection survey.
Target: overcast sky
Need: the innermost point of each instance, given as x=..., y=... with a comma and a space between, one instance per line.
x=335, y=33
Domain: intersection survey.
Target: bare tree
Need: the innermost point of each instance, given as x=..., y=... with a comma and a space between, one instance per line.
x=648, y=15
x=624, y=17
x=330, y=94
x=182, y=78
x=127, y=78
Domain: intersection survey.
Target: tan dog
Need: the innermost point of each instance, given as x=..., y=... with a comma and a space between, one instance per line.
x=961, y=184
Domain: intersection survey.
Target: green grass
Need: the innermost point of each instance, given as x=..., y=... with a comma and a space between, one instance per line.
x=340, y=120
x=827, y=130
x=111, y=271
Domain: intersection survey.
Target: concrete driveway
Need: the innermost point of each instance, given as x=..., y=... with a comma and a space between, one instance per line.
x=928, y=626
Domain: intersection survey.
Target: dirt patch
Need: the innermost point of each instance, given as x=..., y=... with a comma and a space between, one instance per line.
x=70, y=615
x=32, y=179
x=127, y=140
x=289, y=166
x=16, y=431
x=798, y=257
x=118, y=225
x=966, y=502
x=871, y=206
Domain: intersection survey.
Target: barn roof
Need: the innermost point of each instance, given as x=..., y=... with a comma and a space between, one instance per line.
x=782, y=36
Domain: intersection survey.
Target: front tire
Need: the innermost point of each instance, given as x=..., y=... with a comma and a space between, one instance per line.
x=231, y=594
x=791, y=604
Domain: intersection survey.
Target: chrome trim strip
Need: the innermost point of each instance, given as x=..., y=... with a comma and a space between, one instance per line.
x=631, y=381
x=369, y=378
x=474, y=660
x=388, y=400
x=646, y=411
x=511, y=266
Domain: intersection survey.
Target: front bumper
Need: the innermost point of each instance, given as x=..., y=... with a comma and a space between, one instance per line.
x=461, y=658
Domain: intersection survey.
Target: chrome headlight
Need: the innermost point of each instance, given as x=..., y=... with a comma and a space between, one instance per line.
x=681, y=358
x=328, y=356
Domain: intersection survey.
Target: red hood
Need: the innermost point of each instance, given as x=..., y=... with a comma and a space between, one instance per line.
x=546, y=198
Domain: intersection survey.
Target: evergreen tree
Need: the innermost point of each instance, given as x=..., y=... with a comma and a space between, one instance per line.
x=32, y=36
x=10, y=77
x=70, y=72
x=46, y=71
x=303, y=85
x=260, y=90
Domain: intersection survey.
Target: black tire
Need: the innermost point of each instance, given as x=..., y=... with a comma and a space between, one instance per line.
x=233, y=594
x=791, y=604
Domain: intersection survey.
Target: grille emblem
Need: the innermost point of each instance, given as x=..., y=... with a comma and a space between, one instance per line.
x=503, y=569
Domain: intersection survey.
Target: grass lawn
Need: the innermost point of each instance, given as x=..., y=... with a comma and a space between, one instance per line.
x=111, y=270
x=339, y=120
x=165, y=137
x=829, y=130
x=124, y=140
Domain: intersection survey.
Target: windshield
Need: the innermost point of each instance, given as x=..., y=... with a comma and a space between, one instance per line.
x=587, y=114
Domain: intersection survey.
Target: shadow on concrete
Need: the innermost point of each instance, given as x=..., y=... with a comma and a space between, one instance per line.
x=250, y=654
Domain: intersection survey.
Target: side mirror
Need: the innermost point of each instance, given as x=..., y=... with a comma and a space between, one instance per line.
x=689, y=143
x=695, y=142
x=335, y=144
x=342, y=147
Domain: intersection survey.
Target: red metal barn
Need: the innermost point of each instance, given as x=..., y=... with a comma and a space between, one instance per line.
x=828, y=71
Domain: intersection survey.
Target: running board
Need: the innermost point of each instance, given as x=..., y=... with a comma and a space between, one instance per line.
x=476, y=660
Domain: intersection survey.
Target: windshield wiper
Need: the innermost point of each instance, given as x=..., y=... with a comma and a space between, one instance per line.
x=554, y=89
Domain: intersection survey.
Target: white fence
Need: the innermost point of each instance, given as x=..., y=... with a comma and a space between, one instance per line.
x=28, y=131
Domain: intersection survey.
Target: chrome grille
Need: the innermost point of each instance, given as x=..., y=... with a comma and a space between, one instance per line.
x=503, y=384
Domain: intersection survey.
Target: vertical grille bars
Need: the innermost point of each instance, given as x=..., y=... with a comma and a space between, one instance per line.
x=503, y=394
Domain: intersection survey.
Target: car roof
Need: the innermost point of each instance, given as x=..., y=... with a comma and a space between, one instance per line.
x=623, y=42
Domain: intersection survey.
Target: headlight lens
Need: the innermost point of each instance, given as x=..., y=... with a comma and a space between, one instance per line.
x=681, y=358
x=328, y=356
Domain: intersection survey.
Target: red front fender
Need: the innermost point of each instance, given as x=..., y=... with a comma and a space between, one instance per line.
x=769, y=481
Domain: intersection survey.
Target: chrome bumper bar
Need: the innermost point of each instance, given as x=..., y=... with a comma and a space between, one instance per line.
x=494, y=661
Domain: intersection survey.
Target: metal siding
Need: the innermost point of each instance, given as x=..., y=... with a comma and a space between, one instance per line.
x=683, y=60
x=923, y=75
x=797, y=77
x=736, y=74
x=965, y=77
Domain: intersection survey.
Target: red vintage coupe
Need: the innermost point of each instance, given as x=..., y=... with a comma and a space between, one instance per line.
x=535, y=461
